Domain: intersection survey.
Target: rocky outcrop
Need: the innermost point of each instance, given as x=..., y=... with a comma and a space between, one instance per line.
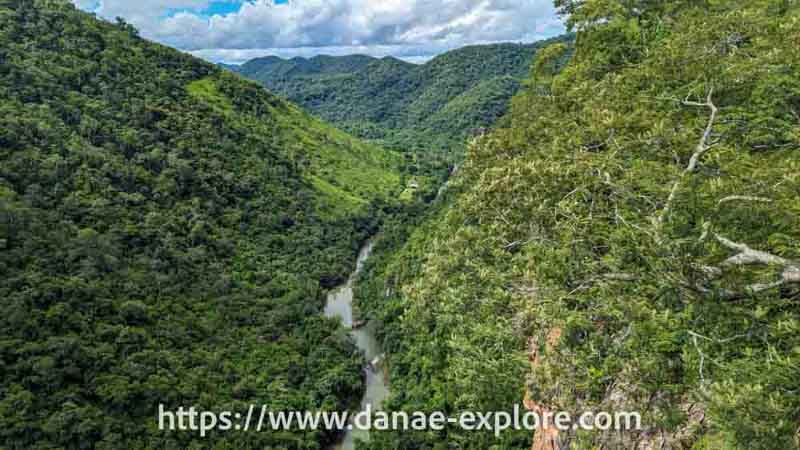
x=547, y=437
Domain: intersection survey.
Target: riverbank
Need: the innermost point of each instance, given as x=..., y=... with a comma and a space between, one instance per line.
x=339, y=304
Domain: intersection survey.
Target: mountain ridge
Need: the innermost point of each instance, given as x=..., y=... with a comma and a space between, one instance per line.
x=389, y=101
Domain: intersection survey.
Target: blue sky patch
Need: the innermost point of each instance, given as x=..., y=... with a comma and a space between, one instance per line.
x=215, y=8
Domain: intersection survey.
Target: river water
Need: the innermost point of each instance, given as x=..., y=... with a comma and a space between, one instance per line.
x=340, y=304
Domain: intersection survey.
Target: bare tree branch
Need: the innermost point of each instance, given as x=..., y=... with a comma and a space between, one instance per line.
x=745, y=256
x=744, y=198
x=711, y=271
x=702, y=362
x=763, y=287
x=718, y=341
x=791, y=274
x=748, y=256
x=702, y=147
x=620, y=277
x=706, y=232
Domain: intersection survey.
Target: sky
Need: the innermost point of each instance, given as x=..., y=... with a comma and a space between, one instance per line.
x=234, y=31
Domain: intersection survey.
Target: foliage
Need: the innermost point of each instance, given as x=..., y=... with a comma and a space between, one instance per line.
x=427, y=111
x=167, y=230
x=602, y=208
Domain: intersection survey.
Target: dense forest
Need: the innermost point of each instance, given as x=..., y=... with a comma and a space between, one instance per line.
x=167, y=230
x=427, y=111
x=627, y=240
x=621, y=231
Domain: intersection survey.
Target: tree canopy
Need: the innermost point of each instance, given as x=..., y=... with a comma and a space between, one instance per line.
x=427, y=111
x=634, y=224
x=166, y=232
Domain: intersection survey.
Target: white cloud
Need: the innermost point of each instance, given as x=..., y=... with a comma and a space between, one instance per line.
x=407, y=28
x=88, y=5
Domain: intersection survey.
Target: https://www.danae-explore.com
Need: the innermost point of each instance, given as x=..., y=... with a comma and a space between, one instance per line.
x=262, y=419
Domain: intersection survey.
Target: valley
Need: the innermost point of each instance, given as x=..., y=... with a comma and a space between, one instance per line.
x=340, y=306
x=428, y=112
x=604, y=221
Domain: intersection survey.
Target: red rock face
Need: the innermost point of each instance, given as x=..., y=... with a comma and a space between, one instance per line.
x=551, y=438
x=547, y=437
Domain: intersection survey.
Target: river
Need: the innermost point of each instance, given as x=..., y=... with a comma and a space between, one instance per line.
x=340, y=304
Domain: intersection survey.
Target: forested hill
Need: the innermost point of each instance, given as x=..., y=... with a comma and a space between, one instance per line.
x=272, y=67
x=628, y=240
x=428, y=110
x=165, y=231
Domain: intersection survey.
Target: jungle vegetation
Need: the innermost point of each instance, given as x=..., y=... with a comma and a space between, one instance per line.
x=427, y=111
x=627, y=240
x=167, y=230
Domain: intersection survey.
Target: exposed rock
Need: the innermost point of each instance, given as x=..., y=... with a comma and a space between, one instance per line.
x=547, y=437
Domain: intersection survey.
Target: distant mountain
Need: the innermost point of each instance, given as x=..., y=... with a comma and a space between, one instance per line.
x=274, y=67
x=425, y=109
x=231, y=67
x=166, y=233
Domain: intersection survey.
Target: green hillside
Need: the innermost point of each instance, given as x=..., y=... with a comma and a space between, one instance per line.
x=428, y=111
x=167, y=229
x=274, y=67
x=628, y=240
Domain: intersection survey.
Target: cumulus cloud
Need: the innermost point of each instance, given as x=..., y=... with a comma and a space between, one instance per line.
x=414, y=29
